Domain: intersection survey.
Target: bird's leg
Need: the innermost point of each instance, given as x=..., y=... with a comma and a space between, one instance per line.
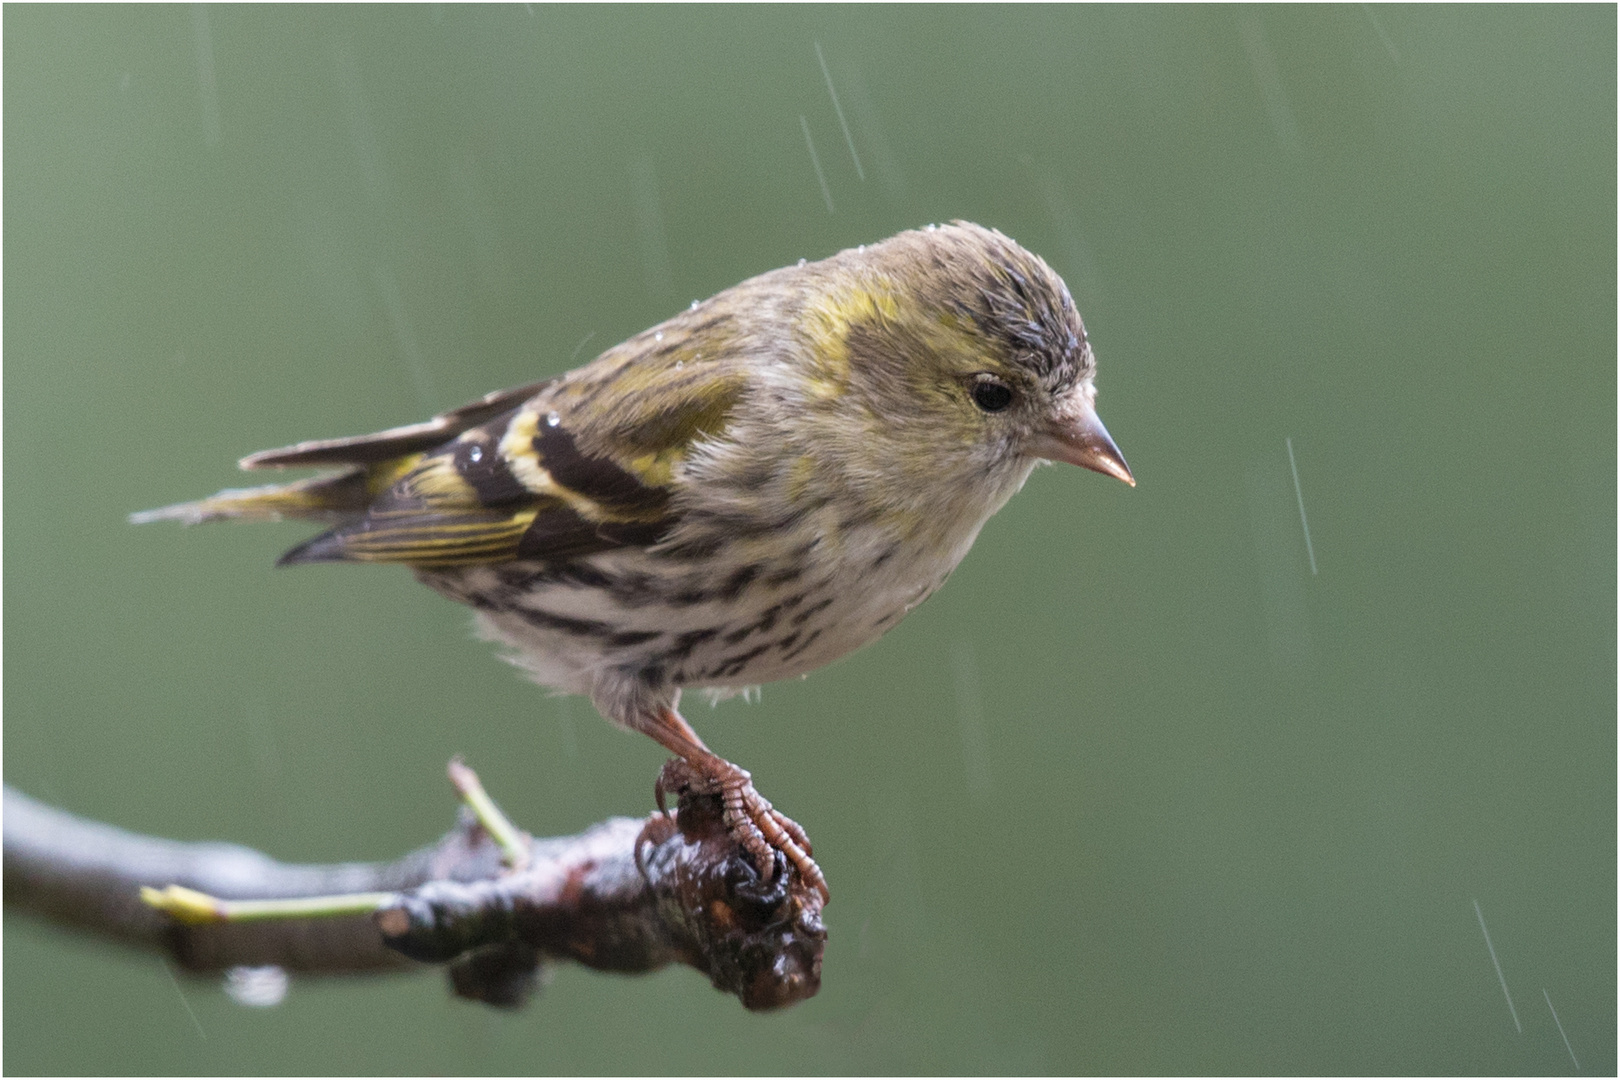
x=759, y=828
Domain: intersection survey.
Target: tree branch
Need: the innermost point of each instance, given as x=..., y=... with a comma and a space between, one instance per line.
x=626, y=895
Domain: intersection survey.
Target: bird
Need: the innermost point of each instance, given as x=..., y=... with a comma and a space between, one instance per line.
x=743, y=493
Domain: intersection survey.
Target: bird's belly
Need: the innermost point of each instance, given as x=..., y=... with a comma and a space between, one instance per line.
x=629, y=611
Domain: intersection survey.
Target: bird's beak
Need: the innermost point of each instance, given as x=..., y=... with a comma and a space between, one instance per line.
x=1077, y=435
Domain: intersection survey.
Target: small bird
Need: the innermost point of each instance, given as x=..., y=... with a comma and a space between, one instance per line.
x=745, y=492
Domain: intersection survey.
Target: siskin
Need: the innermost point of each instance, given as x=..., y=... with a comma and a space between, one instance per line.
x=743, y=493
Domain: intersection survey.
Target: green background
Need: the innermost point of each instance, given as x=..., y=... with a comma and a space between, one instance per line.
x=1138, y=791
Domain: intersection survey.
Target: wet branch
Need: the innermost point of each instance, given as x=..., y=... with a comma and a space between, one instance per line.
x=626, y=895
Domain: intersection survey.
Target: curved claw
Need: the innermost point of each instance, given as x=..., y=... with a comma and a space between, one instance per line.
x=762, y=830
x=658, y=795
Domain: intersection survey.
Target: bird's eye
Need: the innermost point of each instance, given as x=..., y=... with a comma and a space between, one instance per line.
x=991, y=394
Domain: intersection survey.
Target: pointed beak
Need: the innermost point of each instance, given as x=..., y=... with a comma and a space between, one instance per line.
x=1077, y=436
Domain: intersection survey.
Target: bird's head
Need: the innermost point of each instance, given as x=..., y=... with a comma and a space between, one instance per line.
x=955, y=354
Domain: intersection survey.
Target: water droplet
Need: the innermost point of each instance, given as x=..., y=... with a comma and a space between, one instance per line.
x=257, y=987
x=802, y=262
x=475, y=455
x=694, y=306
x=658, y=336
x=860, y=250
x=552, y=420
x=679, y=364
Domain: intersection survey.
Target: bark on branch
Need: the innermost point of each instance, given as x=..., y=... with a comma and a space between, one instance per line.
x=627, y=895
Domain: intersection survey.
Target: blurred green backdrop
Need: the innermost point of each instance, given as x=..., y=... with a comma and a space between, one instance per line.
x=1139, y=791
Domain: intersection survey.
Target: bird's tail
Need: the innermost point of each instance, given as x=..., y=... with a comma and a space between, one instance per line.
x=333, y=497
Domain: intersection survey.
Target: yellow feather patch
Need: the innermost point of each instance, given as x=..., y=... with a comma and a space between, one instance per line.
x=517, y=450
x=436, y=483
x=436, y=540
x=829, y=322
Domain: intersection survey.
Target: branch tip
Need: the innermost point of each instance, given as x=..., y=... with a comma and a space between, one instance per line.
x=513, y=842
x=187, y=906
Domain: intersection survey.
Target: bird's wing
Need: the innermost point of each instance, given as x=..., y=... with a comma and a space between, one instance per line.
x=585, y=464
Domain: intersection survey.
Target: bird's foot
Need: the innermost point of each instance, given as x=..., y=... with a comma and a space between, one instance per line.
x=757, y=827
